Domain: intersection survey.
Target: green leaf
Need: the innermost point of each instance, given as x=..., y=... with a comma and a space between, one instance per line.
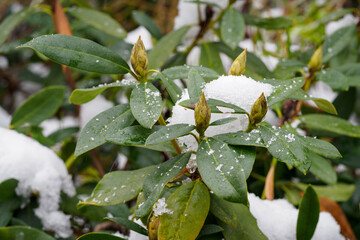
x=79, y=53
x=336, y=42
x=209, y=229
x=99, y=236
x=287, y=68
x=322, y=169
x=268, y=23
x=338, y=192
x=9, y=23
x=81, y=96
x=118, y=187
x=221, y=170
x=321, y=147
x=190, y=205
x=23, y=233
x=143, y=19
x=286, y=147
x=242, y=138
x=98, y=128
x=99, y=20
x=223, y=121
x=308, y=217
x=164, y=47
x=182, y=72
x=213, y=104
x=335, y=79
x=63, y=134
x=146, y=104
x=7, y=189
x=155, y=182
x=40, y=106
x=170, y=132
x=335, y=15
x=283, y=89
x=173, y=90
x=232, y=27
x=136, y=136
x=236, y=219
x=210, y=57
x=330, y=124
x=195, y=85
x=246, y=156
x=128, y=224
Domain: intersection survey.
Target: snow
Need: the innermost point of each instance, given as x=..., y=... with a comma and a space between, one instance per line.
x=39, y=69
x=133, y=36
x=5, y=118
x=38, y=170
x=322, y=90
x=51, y=125
x=277, y=220
x=4, y=62
x=160, y=208
x=238, y=90
x=93, y=108
x=347, y=20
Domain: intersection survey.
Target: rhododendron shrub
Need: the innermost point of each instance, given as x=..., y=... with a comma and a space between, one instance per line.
x=161, y=149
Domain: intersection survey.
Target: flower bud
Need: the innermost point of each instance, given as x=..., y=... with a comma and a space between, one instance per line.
x=238, y=66
x=153, y=228
x=316, y=60
x=138, y=58
x=258, y=110
x=202, y=115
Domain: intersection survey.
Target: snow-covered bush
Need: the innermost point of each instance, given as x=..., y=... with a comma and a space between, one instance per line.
x=240, y=123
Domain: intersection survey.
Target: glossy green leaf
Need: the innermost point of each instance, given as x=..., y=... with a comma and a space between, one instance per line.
x=236, y=219
x=340, y=192
x=321, y=147
x=322, y=169
x=283, y=89
x=209, y=229
x=118, y=187
x=156, y=180
x=7, y=189
x=8, y=24
x=79, y=53
x=335, y=15
x=286, y=147
x=136, y=136
x=246, y=157
x=287, y=68
x=232, y=27
x=81, y=96
x=190, y=205
x=210, y=58
x=63, y=134
x=308, y=217
x=330, y=124
x=98, y=128
x=182, y=72
x=146, y=104
x=242, y=138
x=99, y=236
x=336, y=42
x=214, y=104
x=164, y=47
x=167, y=133
x=173, y=90
x=143, y=19
x=99, y=20
x=223, y=121
x=40, y=106
x=221, y=171
x=335, y=79
x=128, y=224
x=195, y=85
x=268, y=23
x=23, y=233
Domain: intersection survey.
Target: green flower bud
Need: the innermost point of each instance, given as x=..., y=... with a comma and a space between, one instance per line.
x=139, y=60
x=238, y=66
x=258, y=110
x=316, y=60
x=153, y=228
x=202, y=115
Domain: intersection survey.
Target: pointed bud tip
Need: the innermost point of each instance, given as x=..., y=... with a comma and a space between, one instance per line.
x=202, y=115
x=316, y=60
x=238, y=66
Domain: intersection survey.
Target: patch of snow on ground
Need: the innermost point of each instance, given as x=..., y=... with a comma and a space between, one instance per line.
x=37, y=169
x=51, y=125
x=347, y=20
x=277, y=220
x=239, y=90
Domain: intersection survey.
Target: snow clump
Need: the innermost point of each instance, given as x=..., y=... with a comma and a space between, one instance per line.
x=277, y=220
x=238, y=90
x=38, y=170
x=160, y=207
x=347, y=20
